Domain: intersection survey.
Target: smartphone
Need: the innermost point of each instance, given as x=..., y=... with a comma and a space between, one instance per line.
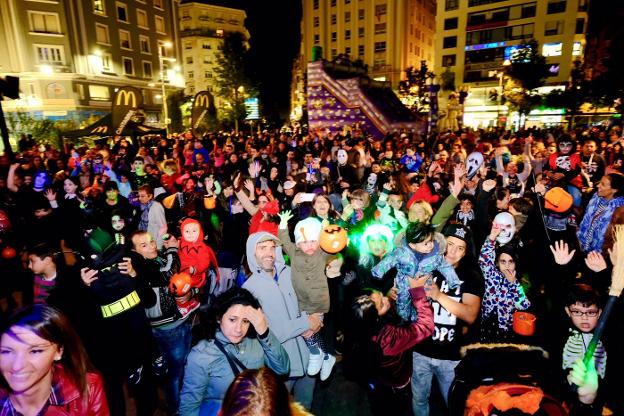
x=307, y=197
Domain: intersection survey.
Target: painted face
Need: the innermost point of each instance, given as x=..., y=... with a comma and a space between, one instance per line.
x=112, y=194
x=372, y=179
x=425, y=246
x=565, y=147
x=382, y=303
x=377, y=246
x=506, y=263
x=138, y=167
x=233, y=325
x=117, y=223
x=506, y=221
x=26, y=360
x=145, y=245
x=69, y=187
x=585, y=318
x=191, y=232
x=342, y=157
x=265, y=255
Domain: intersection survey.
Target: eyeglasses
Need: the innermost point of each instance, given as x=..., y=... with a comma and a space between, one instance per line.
x=591, y=313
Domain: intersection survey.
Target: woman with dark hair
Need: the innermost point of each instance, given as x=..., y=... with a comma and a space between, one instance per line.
x=45, y=369
x=323, y=209
x=593, y=227
x=381, y=346
x=259, y=393
x=503, y=292
x=214, y=362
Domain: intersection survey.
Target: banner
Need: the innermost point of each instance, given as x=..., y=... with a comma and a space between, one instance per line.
x=203, y=104
x=126, y=102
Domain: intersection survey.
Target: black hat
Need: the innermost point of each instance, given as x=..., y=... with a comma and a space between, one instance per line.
x=461, y=232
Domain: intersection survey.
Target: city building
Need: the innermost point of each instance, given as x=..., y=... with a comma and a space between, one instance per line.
x=386, y=35
x=475, y=38
x=71, y=55
x=202, y=27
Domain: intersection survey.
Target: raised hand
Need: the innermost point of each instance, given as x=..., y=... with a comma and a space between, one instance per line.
x=495, y=231
x=489, y=185
x=257, y=319
x=561, y=252
x=249, y=185
x=595, y=261
x=285, y=216
x=50, y=195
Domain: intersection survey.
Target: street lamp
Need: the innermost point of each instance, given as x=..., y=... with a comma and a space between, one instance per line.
x=161, y=59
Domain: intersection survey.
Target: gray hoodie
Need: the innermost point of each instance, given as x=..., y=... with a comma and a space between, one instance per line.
x=279, y=303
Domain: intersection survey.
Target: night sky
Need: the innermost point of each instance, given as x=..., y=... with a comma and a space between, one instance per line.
x=275, y=28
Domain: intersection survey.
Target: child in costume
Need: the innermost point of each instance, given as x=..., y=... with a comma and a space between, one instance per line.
x=423, y=253
x=308, y=264
x=196, y=257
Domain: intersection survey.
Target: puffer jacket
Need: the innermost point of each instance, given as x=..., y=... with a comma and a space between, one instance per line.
x=65, y=398
x=208, y=374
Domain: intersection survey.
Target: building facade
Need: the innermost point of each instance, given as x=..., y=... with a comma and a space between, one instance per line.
x=202, y=27
x=386, y=35
x=477, y=37
x=71, y=55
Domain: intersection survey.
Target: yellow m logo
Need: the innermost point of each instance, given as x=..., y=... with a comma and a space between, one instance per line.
x=202, y=101
x=128, y=97
x=100, y=129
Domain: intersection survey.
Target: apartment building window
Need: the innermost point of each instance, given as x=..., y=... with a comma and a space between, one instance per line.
x=449, y=42
x=206, y=45
x=101, y=34
x=450, y=23
x=122, y=12
x=417, y=51
x=347, y=34
x=500, y=34
x=451, y=5
x=380, y=47
x=99, y=7
x=361, y=14
x=191, y=74
x=160, y=24
x=189, y=60
x=99, y=92
x=380, y=28
x=107, y=62
x=347, y=17
x=347, y=1
x=348, y=50
x=317, y=39
x=380, y=10
x=577, y=49
x=557, y=6
x=50, y=54
x=207, y=74
x=332, y=3
x=552, y=49
x=360, y=50
x=316, y=4
x=41, y=22
x=188, y=45
x=580, y=26
x=159, y=4
x=128, y=66
x=144, y=44
x=449, y=60
x=553, y=27
x=147, y=69
x=333, y=19
x=142, y=19
x=334, y=36
x=124, y=39
x=316, y=21
x=360, y=32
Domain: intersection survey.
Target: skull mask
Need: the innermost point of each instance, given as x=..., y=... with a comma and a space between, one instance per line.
x=342, y=157
x=372, y=179
x=508, y=227
x=475, y=160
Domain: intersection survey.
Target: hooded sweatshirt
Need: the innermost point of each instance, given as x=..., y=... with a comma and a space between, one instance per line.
x=277, y=297
x=196, y=254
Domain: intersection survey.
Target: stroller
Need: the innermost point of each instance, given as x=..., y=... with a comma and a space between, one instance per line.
x=504, y=379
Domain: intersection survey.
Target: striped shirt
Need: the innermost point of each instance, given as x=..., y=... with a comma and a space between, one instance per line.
x=575, y=348
x=43, y=288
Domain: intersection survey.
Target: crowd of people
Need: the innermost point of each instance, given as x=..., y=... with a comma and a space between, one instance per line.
x=230, y=273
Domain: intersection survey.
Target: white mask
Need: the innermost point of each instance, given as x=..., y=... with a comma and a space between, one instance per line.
x=508, y=227
x=475, y=160
x=342, y=157
x=372, y=179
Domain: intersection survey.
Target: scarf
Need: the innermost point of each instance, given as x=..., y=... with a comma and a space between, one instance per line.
x=145, y=215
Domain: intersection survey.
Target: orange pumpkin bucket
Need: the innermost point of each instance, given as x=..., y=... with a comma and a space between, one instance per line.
x=524, y=323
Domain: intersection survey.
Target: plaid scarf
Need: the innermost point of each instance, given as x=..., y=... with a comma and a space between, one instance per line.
x=145, y=215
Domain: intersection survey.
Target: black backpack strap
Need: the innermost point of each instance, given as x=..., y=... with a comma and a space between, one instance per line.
x=234, y=362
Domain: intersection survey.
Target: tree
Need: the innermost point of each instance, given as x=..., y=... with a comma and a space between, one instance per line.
x=526, y=72
x=413, y=89
x=232, y=76
x=175, y=101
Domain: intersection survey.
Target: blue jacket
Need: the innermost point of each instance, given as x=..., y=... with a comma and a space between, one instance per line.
x=208, y=374
x=595, y=222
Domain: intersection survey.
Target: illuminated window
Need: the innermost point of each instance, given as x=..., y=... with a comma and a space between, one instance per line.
x=552, y=49
x=99, y=92
x=577, y=49
x=50, y=54
x=107, y=62
x=98, y=7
